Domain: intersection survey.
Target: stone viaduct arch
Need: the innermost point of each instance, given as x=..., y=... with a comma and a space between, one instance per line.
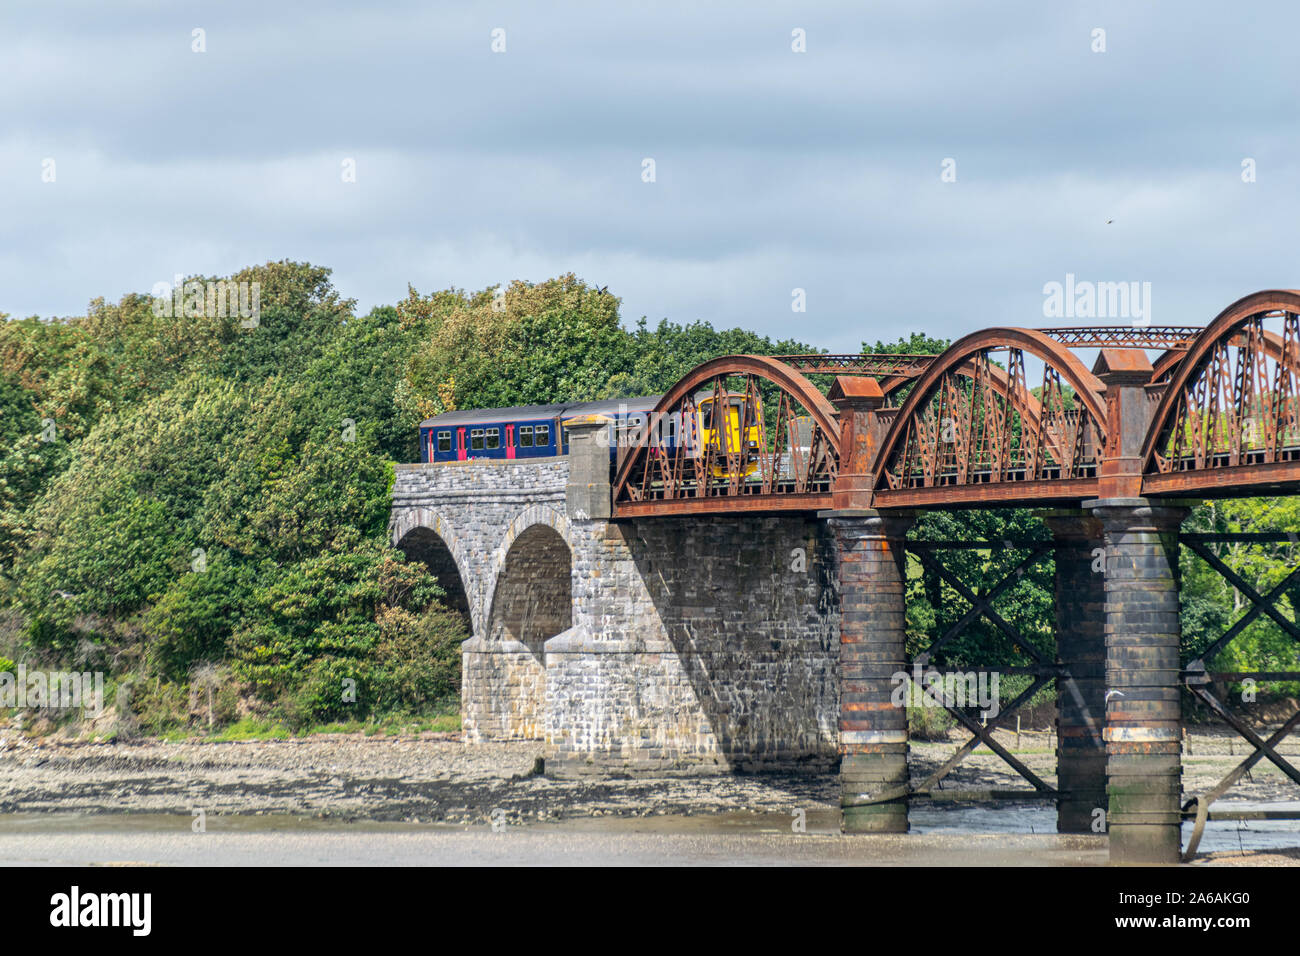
x=529, y=590
x=423, y=535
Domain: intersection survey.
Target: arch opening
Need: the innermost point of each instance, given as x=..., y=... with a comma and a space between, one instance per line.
x=427, y=547
x=533, y=600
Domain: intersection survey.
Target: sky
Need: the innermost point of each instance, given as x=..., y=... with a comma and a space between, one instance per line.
x=919, y=166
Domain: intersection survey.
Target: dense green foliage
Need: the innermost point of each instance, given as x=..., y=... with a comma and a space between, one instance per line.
x=190, y=503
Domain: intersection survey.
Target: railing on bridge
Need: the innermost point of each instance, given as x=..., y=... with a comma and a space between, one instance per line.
x=884, y=364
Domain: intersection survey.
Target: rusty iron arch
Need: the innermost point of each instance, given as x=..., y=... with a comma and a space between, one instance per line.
x=734, y=478
x=1169, y=361
x=1185, y=398
x=967, y=358
x=892, y=385
x=777, y=372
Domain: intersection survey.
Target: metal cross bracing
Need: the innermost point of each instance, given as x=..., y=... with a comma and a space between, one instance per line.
x=1126, y=336
x=877, y=364
x=1042, y=669
x=1198, y=679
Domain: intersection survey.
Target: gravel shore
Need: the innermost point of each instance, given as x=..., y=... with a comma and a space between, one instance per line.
x=434, y=778
x=431, y=778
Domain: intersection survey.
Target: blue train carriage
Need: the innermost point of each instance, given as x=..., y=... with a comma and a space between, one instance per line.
x=526, y=431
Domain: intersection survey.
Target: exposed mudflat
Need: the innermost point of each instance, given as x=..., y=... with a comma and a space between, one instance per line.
x=428, y=779
x=434, y=778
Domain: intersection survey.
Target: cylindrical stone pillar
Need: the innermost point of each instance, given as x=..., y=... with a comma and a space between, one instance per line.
x=1081, y=650
x=873, y=727
x=1143, y=705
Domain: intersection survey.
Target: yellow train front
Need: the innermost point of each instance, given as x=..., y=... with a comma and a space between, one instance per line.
x=720, y=433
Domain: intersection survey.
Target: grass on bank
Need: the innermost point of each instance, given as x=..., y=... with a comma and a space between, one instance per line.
x=250, y=728
x=253, y=728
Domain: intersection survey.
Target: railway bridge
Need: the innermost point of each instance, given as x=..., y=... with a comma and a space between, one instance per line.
x=738, y=607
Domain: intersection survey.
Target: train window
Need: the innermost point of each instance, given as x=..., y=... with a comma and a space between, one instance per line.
x=628, y=433
x=566, y=438
x=444, y=441
x=707, y=414
x=663, y=427
x=525, y=436
x=476, y=439
x=494, y=438
x=543, y=436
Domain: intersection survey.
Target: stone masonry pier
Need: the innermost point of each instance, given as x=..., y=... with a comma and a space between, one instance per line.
x=706, y=644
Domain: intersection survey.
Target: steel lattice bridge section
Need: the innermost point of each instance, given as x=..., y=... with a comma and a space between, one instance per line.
x=1216, y=414
x=1113, y=454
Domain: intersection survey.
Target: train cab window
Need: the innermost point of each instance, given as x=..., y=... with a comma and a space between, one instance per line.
x=707, y=415
x=476, y=439
x=543, y=435
x=444, y=441
x=493, y=438
x=565, y=436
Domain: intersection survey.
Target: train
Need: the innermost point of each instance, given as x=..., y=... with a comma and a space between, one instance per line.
x=537, y=431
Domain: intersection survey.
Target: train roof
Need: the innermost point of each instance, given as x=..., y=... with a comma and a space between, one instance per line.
x=477, y=416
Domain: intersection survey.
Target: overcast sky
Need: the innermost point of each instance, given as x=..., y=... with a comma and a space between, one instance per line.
x=774, y=170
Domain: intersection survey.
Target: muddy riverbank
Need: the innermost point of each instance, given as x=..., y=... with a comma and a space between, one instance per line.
x=434, y=778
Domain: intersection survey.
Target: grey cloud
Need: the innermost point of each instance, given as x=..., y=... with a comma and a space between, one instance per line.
x=775, y=170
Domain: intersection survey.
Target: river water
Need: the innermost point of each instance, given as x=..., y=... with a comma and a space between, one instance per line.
x=941, y=836
x=1220, y=835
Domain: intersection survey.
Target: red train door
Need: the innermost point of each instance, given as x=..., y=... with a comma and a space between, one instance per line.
x=460, y=444
x=510, y=441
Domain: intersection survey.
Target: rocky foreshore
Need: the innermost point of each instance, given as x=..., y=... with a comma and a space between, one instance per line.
x=435, y=778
